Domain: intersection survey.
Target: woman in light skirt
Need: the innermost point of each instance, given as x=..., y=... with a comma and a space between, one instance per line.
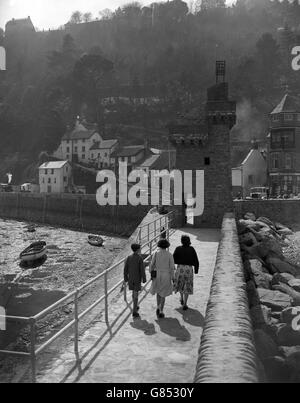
x=163, y=266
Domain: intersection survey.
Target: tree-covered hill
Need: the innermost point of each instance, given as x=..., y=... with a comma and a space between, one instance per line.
x=139, y=66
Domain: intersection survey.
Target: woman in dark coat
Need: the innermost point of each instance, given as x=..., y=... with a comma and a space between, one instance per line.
x=186, y=258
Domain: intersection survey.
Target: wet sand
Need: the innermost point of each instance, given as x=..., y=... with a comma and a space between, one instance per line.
x=70, y=262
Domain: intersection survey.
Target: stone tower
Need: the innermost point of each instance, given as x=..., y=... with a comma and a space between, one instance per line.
x=204, y=145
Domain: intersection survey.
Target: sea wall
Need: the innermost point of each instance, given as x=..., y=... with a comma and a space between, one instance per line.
x=227, y=353
x=284, y=211
x=79, y=212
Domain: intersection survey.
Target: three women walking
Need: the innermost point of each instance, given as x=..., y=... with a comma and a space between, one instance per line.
x=166, y=279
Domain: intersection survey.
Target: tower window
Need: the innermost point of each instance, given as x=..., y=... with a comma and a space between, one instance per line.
x=206, y=161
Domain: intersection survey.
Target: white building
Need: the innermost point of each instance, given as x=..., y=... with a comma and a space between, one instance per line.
x=76, y=144
x=100, y=152
x=55, y=177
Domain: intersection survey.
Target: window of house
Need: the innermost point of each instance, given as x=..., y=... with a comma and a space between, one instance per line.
x=250, y=179
x=92, y=156
x=43, y=180
x=67, y=156
x=105, y=154
x=83, y=156
x=52, y=171
x=275, y=118
x=83, y=149
x=68, y=149
x=54, y=180
x=98, y=155
x=65, y=179
x=288, y=161
x=75, y=149
x=49, y=180
x=275, y=160
x=46, y=171
x=288, y=116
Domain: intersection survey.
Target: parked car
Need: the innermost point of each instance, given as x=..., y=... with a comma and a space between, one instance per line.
x=260, y=192
x=5, y=187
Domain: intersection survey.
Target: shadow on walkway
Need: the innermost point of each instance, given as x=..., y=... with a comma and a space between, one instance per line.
x=192, y=317
x=173, y=328
x=143, y=325
x=205, y=235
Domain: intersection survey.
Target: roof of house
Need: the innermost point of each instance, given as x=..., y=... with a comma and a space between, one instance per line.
x=80, y=132
x=287, y=104
x=128, y=151
x=150, y=161
x=103, y=145
x=53, y=165
x=245, y=159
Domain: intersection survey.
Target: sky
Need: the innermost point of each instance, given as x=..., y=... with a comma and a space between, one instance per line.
x=47, y=14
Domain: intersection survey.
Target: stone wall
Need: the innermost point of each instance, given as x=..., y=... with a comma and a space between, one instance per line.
x=227, y=353
x=284, y=211
x=72, y=211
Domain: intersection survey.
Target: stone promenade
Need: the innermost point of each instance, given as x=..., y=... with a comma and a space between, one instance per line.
x=145, y=350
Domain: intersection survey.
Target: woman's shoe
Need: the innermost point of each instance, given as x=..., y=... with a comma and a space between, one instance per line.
x=157, y=312
x=181, y=301
x=161, y=315
x=185, y=308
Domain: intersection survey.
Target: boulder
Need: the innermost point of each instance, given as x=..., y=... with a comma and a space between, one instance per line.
x=265, y=345
x=285, y=232
x=265, y=220
x=250, y=216
x=287, y=336
x=283, y=278
x=248, y=239
x=263, y=280
x=295, y=284
x=256, y=266
x=289, y=314
x=275, y=300
x=275, y=264
x=289, y=291
x=287, y=351
x=245, y=225
x=260, y=316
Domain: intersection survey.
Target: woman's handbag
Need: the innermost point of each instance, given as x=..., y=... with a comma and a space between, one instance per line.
x=153, y=272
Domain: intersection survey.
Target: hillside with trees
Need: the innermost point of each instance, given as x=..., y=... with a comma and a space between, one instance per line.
x=133, y=69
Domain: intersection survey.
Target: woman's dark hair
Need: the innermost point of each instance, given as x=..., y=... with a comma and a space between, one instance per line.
x=135, y=247
x=185, y=240
x=163, y=244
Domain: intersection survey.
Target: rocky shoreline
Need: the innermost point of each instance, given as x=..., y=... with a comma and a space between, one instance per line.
x=271, y=257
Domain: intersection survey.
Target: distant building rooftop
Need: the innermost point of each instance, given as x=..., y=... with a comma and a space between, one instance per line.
x=80, y=132
x=287, y=104
x=54, y=165
x=104, y=145
x=128, y=151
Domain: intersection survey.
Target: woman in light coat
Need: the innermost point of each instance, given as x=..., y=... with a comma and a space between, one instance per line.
x=163, y=267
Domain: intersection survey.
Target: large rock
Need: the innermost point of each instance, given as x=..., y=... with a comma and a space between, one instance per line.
x=287, y=351
x=250, y=216
x=246, y=225
x=275, y=300
x=289, y=314
x=248, y=239
x=265, y=220
x=263, y=280
x=282, y=278
x=256, y=266
x=289, y=291
x=275, y=264
x=285, y=232
x=287, y=336
x=265, y=345
x=295, y=284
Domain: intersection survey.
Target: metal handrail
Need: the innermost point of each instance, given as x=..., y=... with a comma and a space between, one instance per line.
x=34, y=352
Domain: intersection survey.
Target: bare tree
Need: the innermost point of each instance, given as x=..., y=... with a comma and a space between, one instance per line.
x=87, y=17
x=76, y=17
x=106, y=14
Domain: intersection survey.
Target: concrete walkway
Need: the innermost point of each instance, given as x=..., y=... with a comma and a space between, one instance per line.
x=144, y=350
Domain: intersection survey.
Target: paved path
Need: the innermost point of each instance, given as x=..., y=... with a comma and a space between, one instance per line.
x=144, y=350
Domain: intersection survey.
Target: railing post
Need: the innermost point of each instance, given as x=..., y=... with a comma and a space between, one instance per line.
x=106, y=297
x=155, y=229
x=76, y=326
x=32, y=349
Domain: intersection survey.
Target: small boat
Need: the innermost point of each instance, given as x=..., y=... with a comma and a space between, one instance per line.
x=35, y=251
x=95, y=240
